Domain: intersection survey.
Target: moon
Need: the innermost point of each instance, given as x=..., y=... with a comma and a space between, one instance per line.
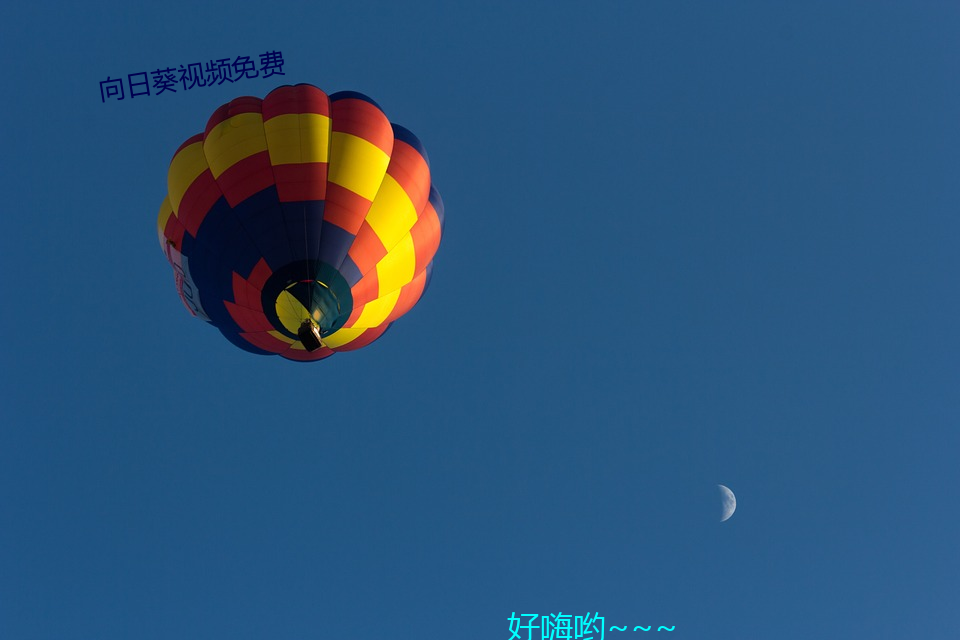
x=728, y=502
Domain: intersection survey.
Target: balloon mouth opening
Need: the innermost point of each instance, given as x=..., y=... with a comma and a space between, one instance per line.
x=307, y=309
x=309, y=335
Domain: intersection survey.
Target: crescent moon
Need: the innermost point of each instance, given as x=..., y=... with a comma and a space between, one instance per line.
x=728, y=502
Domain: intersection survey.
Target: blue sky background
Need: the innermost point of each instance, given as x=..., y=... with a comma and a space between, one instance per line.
x=686, y=243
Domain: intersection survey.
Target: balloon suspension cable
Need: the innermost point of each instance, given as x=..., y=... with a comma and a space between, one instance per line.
x=306, y=262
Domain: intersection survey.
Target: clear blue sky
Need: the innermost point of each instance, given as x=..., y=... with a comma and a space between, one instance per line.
x=686, y=243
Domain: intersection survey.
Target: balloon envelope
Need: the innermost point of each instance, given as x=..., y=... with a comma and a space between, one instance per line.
x=300, y=221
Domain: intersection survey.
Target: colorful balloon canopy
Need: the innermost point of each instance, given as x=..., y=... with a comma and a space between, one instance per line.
x=301, y=224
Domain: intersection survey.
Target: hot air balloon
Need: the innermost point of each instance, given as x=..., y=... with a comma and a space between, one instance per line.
x=301, y=224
